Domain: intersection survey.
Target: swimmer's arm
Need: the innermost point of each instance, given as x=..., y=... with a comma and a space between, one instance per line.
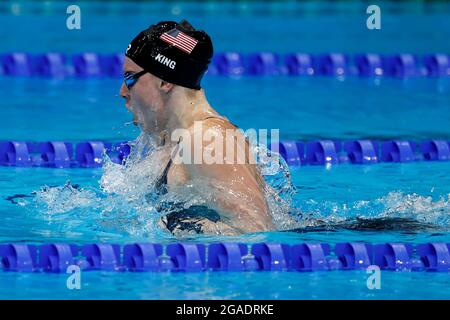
x=236, y=194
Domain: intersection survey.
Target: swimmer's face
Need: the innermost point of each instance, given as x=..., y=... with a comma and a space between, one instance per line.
x=146, y=99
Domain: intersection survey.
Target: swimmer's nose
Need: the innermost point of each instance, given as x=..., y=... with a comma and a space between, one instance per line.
x=125, y=93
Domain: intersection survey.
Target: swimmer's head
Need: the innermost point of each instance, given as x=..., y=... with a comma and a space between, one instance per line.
x=174, y=52
x=165, y=55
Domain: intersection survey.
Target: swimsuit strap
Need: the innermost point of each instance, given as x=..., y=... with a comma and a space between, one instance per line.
x=161, y=183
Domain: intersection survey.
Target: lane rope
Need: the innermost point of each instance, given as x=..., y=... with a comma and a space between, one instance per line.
x=58, y=154
x=94, y=65
x=190, y=257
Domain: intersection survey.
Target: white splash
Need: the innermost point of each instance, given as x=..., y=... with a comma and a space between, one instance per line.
x=396, y=204
x=126, y=200
x=65, y=198
x=127, y=194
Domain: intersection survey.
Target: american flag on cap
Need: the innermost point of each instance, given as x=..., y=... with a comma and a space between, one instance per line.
x=179, y=39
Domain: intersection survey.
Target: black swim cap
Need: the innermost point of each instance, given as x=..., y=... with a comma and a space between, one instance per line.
x=174, y=52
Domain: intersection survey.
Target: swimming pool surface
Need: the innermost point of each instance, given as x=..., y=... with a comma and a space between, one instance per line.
x=74, y=110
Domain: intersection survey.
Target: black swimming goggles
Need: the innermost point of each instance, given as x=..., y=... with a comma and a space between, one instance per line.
x=130, y=78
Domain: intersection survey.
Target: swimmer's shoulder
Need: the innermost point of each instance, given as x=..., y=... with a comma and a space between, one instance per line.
x=218, y=121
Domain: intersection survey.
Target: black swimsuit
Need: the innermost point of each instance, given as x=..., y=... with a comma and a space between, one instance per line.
x=180, y=218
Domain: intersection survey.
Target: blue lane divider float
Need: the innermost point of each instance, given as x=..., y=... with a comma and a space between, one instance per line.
x=142, y=256
x=101, y=257
x=398, y=151
x=228, y=257
x=324, y=152
x=396, y=256
x=299, y=64
x=236, y=257
x=50, y=65
x=18, y=257
x=263, y=64
x=402, y=65
x=369, y=65
x=57, y=257
x=362, y=151
x=353, y=255
x=187, y=256
x=292, y=151
x=86, y=65
x=57, y=154
x=310, y=257
x=271, y=256
x=333, y=64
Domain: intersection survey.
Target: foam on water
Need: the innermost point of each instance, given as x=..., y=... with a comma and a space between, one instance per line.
x=395, y=206
x=127, y=197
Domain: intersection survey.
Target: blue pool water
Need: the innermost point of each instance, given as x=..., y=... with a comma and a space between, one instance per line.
x=302, y=108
